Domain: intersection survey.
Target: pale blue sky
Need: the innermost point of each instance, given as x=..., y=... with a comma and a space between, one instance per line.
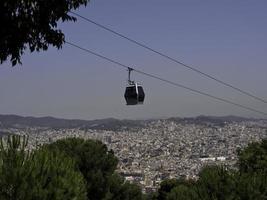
x=227, y=39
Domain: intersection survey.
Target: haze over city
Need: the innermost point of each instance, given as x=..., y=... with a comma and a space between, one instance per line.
x=226, y=39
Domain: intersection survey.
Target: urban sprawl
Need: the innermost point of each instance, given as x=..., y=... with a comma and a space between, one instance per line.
x=162, y=148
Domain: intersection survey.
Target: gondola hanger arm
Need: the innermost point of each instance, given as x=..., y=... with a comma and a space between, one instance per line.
x=129, y=75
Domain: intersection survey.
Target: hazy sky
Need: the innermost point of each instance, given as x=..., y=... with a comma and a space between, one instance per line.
x=227, y=39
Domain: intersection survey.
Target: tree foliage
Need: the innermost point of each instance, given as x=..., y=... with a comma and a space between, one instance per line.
x=253, y=158
x=37, y=175
x=119, y=189
x=32, y=24
x=250, y=186
x=248, y=182
x=167, y=186
x=182, y=192
x=93, y=159
x=216, y=182
x=66, y=169
x=252, y=175
x=13, y=165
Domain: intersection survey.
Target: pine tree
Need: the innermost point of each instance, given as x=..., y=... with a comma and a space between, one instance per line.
x=216, y=182
x=119, y=189
x=39, y=174
x=93, y=159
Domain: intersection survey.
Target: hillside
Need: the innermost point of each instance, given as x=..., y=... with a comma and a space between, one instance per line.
x=16, y=121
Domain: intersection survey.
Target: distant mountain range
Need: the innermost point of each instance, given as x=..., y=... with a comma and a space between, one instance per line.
x=202, y=119
x=15, y=121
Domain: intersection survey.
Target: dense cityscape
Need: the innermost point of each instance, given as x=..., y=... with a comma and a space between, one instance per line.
x=162, y=148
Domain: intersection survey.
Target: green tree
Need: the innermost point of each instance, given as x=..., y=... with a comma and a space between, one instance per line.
x=215, y=182
x=252, y=175
x=119, y=189
x=249, y=182
x=167, y=186
x=182, y=192
x=56, y=177
x=37, y=175
x=32, y=24
x=151, y=196
x=253, y=158
x=93, y=159
x=13, y=174
x=251, y=186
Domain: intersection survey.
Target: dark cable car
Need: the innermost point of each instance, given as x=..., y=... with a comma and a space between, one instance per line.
x=134, y=93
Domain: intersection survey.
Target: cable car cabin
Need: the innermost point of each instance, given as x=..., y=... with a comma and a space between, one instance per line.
x=134, y=94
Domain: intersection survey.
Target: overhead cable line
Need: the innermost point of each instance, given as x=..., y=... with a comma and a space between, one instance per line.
x=165, y=80
x=170, y=58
